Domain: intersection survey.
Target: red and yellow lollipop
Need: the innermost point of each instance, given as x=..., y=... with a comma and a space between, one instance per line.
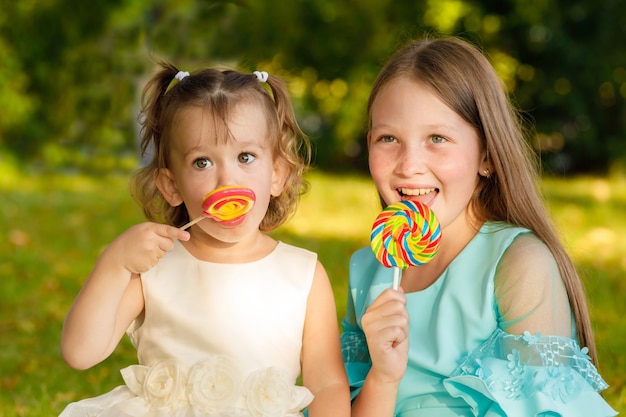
x=227, y=205
x=406, y=233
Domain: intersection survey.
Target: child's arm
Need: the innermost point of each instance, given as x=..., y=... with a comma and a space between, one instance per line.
x=322, y=365
x=531, y=296
x=386, y=327
x=112, y=295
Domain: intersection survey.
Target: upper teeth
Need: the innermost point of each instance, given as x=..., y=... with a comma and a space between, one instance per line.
x=416, y=191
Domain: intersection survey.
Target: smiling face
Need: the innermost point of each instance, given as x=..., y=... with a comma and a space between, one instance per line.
x=420, y=149
x=200, y=162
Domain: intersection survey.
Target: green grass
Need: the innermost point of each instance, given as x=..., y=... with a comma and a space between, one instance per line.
x=53, y=226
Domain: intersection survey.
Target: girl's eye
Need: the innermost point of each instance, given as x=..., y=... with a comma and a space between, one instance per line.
x=438, y=139
x=387, y=139
x=202, y=163
x=246, y=158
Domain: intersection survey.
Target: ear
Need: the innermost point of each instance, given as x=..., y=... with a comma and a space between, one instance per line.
x=166, y=184
x=279, y=177
x=484, y=168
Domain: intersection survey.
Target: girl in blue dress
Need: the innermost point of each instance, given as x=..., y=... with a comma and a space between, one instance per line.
x=496, y=324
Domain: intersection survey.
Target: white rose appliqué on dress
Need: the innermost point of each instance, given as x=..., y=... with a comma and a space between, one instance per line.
x=214, y=387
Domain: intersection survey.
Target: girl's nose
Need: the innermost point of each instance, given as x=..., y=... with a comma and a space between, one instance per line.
x=411, y=161
x=225, y=175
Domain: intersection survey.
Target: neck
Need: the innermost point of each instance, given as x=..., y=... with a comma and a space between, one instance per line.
x=206, y=248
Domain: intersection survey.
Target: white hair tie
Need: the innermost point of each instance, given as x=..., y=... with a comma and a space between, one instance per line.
x=181, y=74
x=261, y=76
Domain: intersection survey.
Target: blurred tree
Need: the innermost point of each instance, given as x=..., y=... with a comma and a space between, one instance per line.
x=58, y=62
x=71, y=81
x=567, y=69
x=71, y=71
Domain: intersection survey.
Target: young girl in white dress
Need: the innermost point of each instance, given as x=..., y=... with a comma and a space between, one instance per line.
x=224, y=318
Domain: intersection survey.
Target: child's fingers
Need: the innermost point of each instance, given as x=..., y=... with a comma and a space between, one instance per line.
x=386, y=324
x=172, y=232
x=390, y=332
x=390, y=295
x=389, y=302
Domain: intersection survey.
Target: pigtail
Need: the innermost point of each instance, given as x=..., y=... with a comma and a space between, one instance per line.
x=298, y=143
x=294, y=151
x=142, y=185
x=152, y=104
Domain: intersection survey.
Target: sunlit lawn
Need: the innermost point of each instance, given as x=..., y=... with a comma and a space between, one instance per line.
x=53, y=226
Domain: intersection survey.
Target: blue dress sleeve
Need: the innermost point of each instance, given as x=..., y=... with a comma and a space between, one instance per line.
x=356, y=359
x=529, y=375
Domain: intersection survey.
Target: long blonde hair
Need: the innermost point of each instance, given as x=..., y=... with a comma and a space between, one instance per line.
x=218, y=91
x=464, y=79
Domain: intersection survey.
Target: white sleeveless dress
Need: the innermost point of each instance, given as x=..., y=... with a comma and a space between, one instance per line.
x=216, y=340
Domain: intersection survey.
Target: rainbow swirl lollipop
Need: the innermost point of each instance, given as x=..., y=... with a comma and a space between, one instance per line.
x=406, y=233
x=226, y=204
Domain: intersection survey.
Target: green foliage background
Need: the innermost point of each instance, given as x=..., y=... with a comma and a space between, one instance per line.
x=71, y=73
x=72, y=70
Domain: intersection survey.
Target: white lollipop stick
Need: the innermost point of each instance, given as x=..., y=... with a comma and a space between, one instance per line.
x=396, y=277
x=191, y=223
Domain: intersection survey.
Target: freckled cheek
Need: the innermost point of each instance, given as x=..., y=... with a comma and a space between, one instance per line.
x=458, y=181
x=380, y=165
x=455, y=168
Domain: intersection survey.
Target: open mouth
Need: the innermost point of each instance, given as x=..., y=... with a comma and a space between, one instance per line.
x=423, y=195
x=416, y=192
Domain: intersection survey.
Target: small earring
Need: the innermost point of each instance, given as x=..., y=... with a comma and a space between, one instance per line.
x=486, y=172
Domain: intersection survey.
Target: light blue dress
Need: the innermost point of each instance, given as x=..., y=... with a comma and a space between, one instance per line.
x=461, y=361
